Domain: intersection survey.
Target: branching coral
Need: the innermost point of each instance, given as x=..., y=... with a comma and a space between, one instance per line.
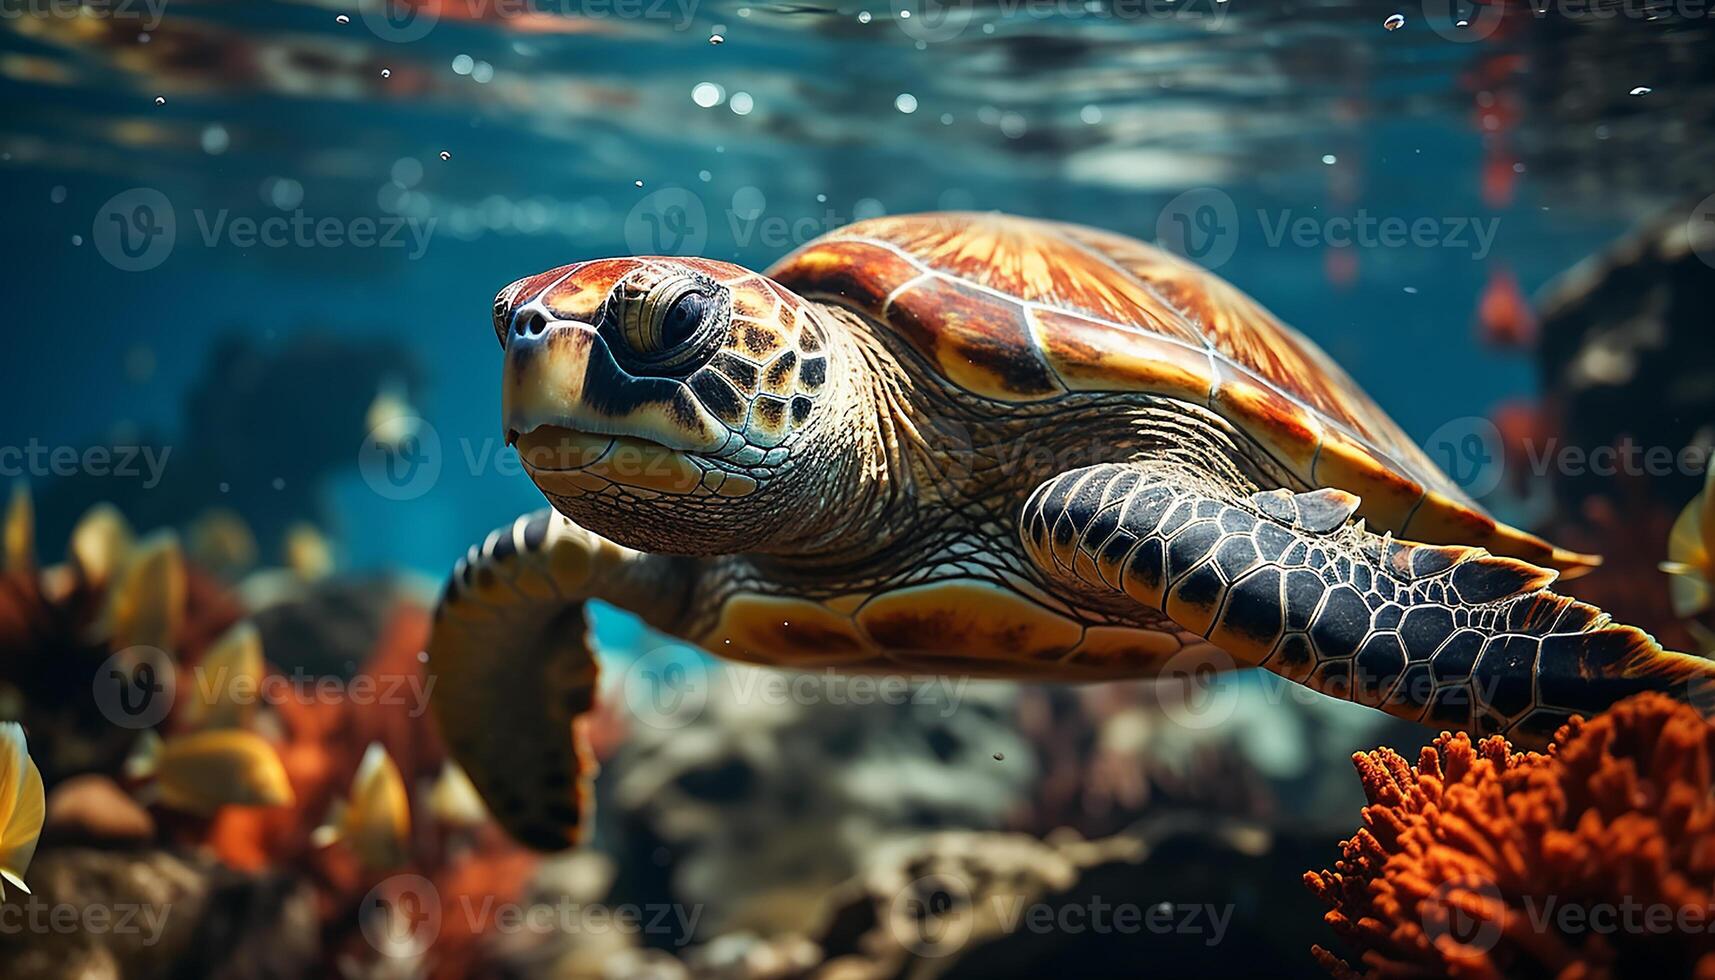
x=1595, y=860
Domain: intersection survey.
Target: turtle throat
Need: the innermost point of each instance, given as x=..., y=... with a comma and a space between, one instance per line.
x=858, y=482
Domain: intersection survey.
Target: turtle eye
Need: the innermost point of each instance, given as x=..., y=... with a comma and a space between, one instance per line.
x=665, y=323
x=679, y=325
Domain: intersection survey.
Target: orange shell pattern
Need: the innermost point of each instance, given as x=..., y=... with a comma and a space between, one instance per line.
x=1018, y=309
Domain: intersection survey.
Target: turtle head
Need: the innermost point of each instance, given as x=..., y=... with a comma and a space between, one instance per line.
x=668, y=404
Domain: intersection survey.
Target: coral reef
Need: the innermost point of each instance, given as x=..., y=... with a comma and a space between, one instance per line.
x=1594, y=860
x=239, y=890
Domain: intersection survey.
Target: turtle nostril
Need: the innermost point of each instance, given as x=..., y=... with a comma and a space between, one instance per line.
x=529, y=323
x=512, y=437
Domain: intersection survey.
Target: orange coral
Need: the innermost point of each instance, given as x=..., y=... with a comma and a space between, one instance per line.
x=1595, y=860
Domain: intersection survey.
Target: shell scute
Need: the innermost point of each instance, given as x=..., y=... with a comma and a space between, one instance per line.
x=1020, y=309
x=980, y=342
x=1091, y=355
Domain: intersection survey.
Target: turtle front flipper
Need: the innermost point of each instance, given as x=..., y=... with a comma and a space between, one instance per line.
x=512, y=668
x=1448, y=636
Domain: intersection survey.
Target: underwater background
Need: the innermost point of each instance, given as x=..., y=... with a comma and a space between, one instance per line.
x=1409, y=195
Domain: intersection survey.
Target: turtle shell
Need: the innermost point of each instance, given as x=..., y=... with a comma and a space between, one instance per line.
x=1018, y=309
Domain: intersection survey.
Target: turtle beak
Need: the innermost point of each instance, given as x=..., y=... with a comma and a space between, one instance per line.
x=560, y=375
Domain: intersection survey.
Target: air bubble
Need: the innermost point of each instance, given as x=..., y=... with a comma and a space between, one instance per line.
x=716, y=39
x=386, y=73
x=1394, y=22
x=160, y=100
x=342, y=19
x=707, y=94
x=445, y=155
x=1642, y=90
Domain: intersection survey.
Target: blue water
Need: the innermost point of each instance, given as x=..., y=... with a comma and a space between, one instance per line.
x=273, y=108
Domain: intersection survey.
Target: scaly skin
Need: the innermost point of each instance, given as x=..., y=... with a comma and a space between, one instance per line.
x=1443, y=635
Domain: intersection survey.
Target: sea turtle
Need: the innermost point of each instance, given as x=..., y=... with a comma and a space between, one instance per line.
x=983, y=445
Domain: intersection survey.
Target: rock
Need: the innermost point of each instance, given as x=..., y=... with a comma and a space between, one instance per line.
x=154, y=915
x=92, y=809
x=754, y=809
